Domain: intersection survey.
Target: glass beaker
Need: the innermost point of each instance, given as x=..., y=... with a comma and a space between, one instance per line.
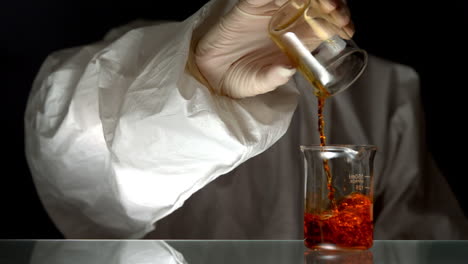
x=322, y=51
x=338, y=196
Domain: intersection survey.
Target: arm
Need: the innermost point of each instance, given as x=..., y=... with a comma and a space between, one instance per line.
x=119, y=135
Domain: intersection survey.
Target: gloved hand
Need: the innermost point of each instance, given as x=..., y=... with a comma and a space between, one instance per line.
x=237, y=58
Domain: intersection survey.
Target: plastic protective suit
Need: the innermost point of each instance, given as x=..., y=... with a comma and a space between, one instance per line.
x=122, y=142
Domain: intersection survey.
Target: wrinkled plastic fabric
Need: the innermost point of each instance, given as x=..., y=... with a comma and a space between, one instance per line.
x=123, y=143
x=79, y=252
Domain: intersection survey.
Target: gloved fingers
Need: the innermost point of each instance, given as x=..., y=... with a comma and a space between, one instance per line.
x=340, y=15
x=256, y=74
x=260, y=7
x=258, y=3
x=257, y=81
x=328, y=5
x=350, y=29
x=338, y=11
x=273, y=76
x=280, y=2
x=271, y=69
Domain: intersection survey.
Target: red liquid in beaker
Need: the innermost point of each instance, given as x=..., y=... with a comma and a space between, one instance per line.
x=349, y=225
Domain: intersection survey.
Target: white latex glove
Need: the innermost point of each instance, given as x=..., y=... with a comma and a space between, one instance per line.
x=238, y=59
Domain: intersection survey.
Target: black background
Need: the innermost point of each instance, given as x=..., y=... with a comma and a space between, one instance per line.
x=426, y=35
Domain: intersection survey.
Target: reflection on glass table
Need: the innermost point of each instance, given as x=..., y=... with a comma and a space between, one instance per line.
x=212, y=251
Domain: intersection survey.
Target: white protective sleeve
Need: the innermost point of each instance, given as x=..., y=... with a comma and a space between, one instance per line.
x=118, y=135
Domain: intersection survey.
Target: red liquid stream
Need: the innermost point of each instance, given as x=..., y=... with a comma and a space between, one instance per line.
x=323, y=142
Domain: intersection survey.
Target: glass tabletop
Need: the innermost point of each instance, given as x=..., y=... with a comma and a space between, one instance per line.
x=223, y=251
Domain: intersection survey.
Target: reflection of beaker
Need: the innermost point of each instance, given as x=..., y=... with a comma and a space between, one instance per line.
x=338, y=257
x=338, y=196
x=322, y=51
